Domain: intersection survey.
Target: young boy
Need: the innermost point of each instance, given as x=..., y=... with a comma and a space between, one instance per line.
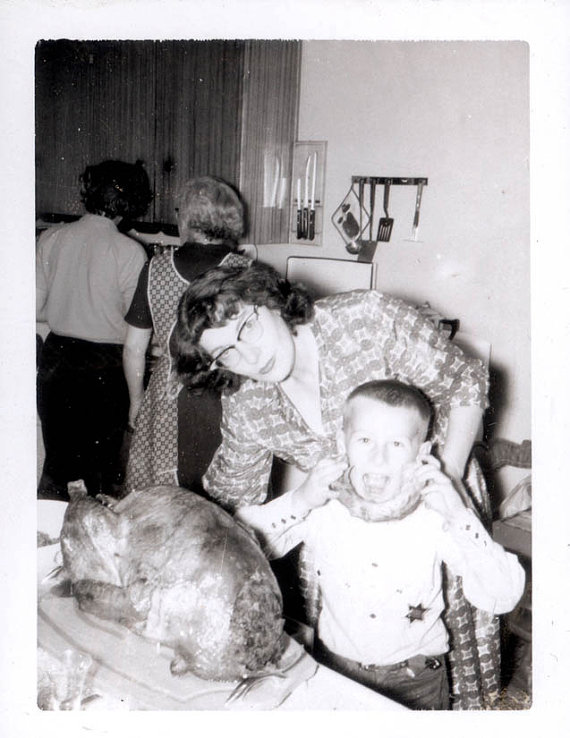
x=377, y=538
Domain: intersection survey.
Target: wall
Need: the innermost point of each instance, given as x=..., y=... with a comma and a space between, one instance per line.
x=173, y=104
x=457, y=113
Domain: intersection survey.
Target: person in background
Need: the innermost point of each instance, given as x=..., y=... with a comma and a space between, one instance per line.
x=287, y=366
x=86, y=274
x=176, y=433
x=376, y=533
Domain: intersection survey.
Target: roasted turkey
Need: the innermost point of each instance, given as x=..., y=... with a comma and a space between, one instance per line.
x=176, y=568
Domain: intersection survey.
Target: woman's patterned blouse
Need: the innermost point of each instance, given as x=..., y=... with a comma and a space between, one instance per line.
x=360, y=335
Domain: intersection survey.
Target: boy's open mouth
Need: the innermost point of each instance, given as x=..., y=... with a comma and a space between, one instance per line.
x=378, y=498
x=378, y=487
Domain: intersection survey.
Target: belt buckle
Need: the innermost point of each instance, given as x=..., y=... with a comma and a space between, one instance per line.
x=414, y=666
x=410, y=670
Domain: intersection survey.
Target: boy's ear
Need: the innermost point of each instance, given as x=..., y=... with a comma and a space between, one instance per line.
x=424, y=449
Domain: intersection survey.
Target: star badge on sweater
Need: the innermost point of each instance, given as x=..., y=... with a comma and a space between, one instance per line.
x=416, y=612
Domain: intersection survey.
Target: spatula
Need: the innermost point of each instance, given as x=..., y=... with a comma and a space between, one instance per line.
x=385, y=224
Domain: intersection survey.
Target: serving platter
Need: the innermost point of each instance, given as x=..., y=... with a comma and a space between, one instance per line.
x=137, y=670
x=128, y=672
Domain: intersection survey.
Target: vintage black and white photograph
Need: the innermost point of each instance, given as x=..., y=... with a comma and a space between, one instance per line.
x=281, y=452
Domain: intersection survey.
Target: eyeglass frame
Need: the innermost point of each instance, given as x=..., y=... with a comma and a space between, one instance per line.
x=233, y=346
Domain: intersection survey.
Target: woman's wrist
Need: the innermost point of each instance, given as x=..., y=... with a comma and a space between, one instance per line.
x=452, y=469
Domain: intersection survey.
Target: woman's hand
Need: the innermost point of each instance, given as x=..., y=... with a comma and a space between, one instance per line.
x=134, y=408
x=315, y=490
x=134, y=357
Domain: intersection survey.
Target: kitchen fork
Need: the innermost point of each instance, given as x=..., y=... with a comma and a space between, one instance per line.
x=248, y=682
x=385, y=225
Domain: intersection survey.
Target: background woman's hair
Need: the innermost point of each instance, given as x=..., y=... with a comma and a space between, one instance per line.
x=217, y=296
x=212, y=206
x=116, y=188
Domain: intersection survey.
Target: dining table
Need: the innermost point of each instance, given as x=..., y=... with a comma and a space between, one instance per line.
x=87, y=663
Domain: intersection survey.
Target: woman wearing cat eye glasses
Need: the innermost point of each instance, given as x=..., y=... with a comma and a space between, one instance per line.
x=286, y=365
x=255, y=344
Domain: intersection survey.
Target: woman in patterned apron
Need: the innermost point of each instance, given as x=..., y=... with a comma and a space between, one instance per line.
x=287, y=366
x=175, y=433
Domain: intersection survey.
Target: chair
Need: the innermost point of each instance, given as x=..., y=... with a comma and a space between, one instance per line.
x=329, y=276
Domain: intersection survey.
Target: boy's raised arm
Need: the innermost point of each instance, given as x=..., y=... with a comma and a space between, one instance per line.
x=493, y=580
x=278, y=523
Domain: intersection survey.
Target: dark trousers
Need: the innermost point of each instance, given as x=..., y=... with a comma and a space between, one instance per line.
x=83, y=407
x=419, y=683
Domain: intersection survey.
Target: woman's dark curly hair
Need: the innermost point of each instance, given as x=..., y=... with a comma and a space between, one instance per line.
x=217, y=296
x=115, y=188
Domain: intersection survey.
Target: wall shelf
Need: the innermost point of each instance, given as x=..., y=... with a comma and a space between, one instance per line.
x=357, y=179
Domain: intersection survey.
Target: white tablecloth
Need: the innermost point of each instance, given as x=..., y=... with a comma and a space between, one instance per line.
x=127, y=671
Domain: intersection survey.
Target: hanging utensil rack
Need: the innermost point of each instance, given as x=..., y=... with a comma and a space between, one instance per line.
x=367, y=247
x=390, y=180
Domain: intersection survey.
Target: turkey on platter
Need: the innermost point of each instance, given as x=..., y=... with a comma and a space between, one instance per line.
x=176, y=568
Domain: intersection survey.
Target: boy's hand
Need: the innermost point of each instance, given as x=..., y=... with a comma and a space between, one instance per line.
x=315, y=490
x=437, y=490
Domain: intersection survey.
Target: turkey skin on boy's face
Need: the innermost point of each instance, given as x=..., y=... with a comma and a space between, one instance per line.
x=178, y=569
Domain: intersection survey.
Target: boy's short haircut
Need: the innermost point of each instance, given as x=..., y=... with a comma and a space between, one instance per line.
x=396, y=394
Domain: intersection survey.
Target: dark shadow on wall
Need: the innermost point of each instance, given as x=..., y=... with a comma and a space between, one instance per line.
x=495, y=411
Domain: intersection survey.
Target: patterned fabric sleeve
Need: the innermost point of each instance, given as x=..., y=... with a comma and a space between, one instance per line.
x=417, y=352
x=138, y=314
x=240, y=469
x=131, y=258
